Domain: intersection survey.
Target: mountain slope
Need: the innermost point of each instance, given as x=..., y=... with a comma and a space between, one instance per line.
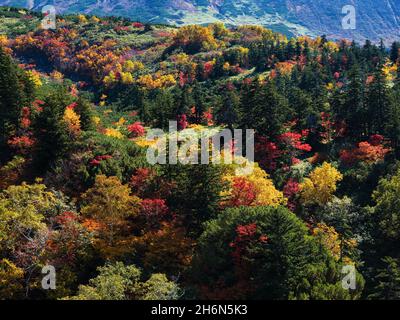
x=375, y=18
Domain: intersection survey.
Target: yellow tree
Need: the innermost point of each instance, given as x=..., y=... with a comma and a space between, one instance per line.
x=254, y=189
x=321, y=185
x=109, y=204
x=72, y=120
x=11, y=278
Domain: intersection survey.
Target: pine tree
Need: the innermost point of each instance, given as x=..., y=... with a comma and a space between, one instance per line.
x=84, y=110
x=51, y=131
x=16, y=91
x=388, y=279
x=228, y=111
x=353, y=111
x=379, y=104
x=394, y=52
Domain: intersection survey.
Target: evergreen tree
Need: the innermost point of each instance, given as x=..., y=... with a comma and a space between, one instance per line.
x=51, y=132
x=85, y=111
x=394, y=52
x=265, y=253
x=379, y=104
x=228, y=111
x=388, y=279
x=16, y=92
x=353, y=111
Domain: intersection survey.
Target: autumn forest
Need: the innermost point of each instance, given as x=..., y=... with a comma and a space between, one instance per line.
x=79, y=197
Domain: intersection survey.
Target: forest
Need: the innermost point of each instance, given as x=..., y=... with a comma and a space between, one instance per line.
x=78, y=194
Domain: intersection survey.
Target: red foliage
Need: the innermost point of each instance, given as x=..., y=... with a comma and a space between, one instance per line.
x=98, y=159
x=290, y=190
x=153, y=208
x=368, y=151
x=66, y=217
x=336, y=75
x=136, y=129
x=25, y=123
x=245, y=235
x=376, y=139
x=72, y=105
x=141, y=180
x=293, y=140
x=182, y=122
x=137, y=25
x=208, y=68
x=243, y=193
x=21, y=143
x=267, y=153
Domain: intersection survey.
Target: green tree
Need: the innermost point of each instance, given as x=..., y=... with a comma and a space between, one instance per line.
x=228, y=112
x=119, y=282
x=265, y=253
x=387, y=208
x=388, y=279
x=85, y=111
x=51, y=132
x=16, y=91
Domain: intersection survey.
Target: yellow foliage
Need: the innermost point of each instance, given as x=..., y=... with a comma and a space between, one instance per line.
x=96, y=120
x=389, y=70
x=320, y=186
x=3, y=40
x=72, y=120
x=163, y=81
x=120, y=122
x=82, y=18
x=265, y=192
x=132, y=66
x=145, y=143
x=126, y=78
x=94, y=19
x=11, y=279
x=56, y=75
x=196, y=37
x=331, y=46
x=329, y=238
x=35, y=78
x=111, y=132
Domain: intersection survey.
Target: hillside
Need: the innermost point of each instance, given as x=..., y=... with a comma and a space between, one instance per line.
x=89, y=190
x=375, y=19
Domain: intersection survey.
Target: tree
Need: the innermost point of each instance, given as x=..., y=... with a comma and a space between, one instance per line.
x=269, y=109
x=23, y=210
x=85, y=111
x=388, y=278
x=119, y=282
x=194, y=38
x=195, y=193
x=51, y=131
x=320, y=186
x=110, y=203
x=394, y=52
x=228, y=111
x=380, y=105
x=255, y=189
x=11, y=279
x=387, y=208
x=264, y=253
x=354, y=111
x=16, y=92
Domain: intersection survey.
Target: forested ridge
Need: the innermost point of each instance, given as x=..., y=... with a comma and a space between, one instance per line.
x=78, y=193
